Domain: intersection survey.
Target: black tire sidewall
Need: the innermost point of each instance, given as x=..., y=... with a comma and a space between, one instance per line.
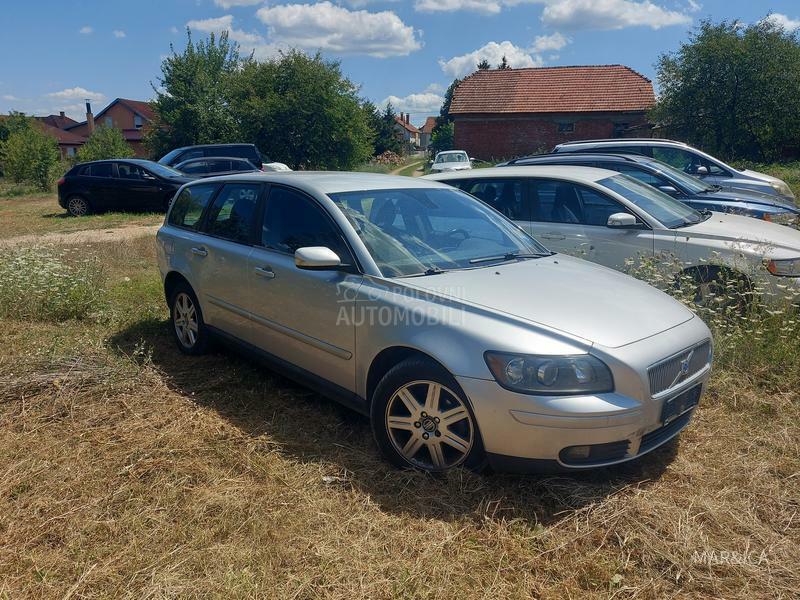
x=413, y=369
x=202, y=343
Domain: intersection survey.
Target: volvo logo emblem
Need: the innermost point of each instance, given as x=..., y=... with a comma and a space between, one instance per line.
x=685, y=367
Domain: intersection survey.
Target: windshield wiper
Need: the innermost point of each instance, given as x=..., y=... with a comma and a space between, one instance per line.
x=432, y=270
x=506, y=256
x=706, y=214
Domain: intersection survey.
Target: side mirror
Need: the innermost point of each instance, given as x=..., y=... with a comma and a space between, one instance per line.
x=316, y=257
x=622, y=221
x=701, y=171
x=668, y=189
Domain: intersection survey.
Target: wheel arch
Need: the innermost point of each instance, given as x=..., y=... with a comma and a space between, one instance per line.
x=388, y=358
x=172, y=279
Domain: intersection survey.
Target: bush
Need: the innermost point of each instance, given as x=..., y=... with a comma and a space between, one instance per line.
x=37, y=284
x=104, y=143
x=31, y=156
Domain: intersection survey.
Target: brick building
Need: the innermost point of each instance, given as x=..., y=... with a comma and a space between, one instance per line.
x=512, y=112
x=131, y=117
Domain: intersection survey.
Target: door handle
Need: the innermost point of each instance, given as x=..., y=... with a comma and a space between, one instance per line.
x=200, y=251
x=553, y=236
x=265, y=272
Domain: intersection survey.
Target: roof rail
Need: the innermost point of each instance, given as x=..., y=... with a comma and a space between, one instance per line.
x=625, y=139
x=629, y=157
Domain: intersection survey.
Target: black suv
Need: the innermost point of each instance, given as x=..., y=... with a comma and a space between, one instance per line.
x=180, y=155
x=690, y=190
x=128, y=185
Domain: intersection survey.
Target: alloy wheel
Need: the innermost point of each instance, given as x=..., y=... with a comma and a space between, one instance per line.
x=184, y=317
x=77, y=206
x=429, y=425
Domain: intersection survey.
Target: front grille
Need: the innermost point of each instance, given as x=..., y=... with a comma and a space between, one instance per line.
x=670, y=372
x=662, y=434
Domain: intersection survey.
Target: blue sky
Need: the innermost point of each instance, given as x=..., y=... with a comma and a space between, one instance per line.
x=56, y=53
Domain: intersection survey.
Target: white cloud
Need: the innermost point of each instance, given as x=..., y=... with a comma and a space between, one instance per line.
x=173, y=30
x=325, y=26
x=782, y=21
x=420, y=105
x=86, y=30
x=118, y=33
x=226, y=4
x=694, y=6
x=76, y=93
x=610, y=14
x=249, y=42
x=9, y=97
x=545, y=43
x=488, y=7
x=517, y=57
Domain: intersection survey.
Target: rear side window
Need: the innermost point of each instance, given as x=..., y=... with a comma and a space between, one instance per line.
x=232, y=216
x=504, y=195
x=196, y=167
x=101, y=170
x=189, y=206
x=218, y=166
x=190, y=154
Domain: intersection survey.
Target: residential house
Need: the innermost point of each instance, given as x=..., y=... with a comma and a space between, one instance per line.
x=68, y=142
x=425, y=132
x=131, y=117
x=405, y=131
x=512, y=112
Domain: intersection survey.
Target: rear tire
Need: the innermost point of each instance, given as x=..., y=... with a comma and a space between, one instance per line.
x=188, y=327
x=422, y=420
x=78, y=206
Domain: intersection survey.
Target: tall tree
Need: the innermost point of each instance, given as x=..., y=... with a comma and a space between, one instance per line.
x=443, y=132
x=733, y=90
x=303, y=111
x=504, y=64
x=105, y=142
x=30, y=156
x=192, y=104
x=382, y=123
x=484, y=65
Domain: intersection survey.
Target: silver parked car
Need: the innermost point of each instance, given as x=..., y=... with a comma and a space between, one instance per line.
x=691, y=160
x=463, y=339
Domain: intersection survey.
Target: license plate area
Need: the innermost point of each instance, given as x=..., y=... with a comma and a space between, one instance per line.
x=676, y=406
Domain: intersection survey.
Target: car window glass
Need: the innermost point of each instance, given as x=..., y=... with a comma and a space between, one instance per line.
x=555, y=202
x=195, y=167
x=128, y=171
x=187, y=209
x=218, y=166
x=641, y=175
x=504, y=195
x=190, y=154
x=101, y=170
x=292, y=221
x=596, y=208
x=232, y=215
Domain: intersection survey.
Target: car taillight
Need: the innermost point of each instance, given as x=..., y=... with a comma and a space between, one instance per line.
x=61, y=181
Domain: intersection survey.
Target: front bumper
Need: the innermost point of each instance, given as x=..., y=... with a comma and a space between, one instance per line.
x=523, y=432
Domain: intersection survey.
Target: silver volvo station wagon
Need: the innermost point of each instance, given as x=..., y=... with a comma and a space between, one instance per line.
x=465, y=341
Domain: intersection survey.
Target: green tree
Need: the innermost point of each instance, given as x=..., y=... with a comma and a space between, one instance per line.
x=504, y=64
x=442, y=136
x=31, y=156
x=733, y=90
x=382, y=124
x=192, y=103
x=303, y=111
x=105, y=142
x=484, y=65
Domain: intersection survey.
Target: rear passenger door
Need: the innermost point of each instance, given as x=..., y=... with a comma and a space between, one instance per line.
x=506, y=195
x=556, y=217
x=103, y=186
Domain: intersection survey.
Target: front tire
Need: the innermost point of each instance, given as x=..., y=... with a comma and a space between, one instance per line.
x=421, y=419
x=78, y=206
x=188, y=326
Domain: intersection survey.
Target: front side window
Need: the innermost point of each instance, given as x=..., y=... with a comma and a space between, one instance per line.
x=413, y=231
x=195, y=168
x=292, y=221
x=128, y=171
x=188, y=207
x=596, y=208
x=639, y=174
x=232, y=216
x=504, y=195
x=665, y=209
x=218, y=166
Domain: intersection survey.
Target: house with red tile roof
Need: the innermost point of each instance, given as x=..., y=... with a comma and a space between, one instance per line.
x=506, y=113
x=68, y=142
x=425, y=132
x=405, y=131
x=131, y=117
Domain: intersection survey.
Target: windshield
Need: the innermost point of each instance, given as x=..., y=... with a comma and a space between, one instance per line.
x=664, y=209
x=456, y=157
x=692, y=184
x=164, y=170
x=414, y=231
x=170, y=156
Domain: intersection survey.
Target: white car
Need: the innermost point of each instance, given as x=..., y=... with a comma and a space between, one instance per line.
x=451, y=160
x=610, y=218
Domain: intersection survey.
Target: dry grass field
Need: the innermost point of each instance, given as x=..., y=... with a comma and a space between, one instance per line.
x=130, y=471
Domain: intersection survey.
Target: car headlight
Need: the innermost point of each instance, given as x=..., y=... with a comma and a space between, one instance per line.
x=782, y=188
x=783, y=268
x=550, y=375
x=781, y=218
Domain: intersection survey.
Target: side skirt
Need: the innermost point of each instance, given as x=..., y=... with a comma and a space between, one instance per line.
x=319, y=384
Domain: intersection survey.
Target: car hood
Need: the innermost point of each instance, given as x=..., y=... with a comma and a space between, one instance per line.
x=558, y=292
x=752, y=196
x=737, y=228
x=762, y=176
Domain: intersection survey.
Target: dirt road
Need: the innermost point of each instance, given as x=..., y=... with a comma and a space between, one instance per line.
x=117, y=234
